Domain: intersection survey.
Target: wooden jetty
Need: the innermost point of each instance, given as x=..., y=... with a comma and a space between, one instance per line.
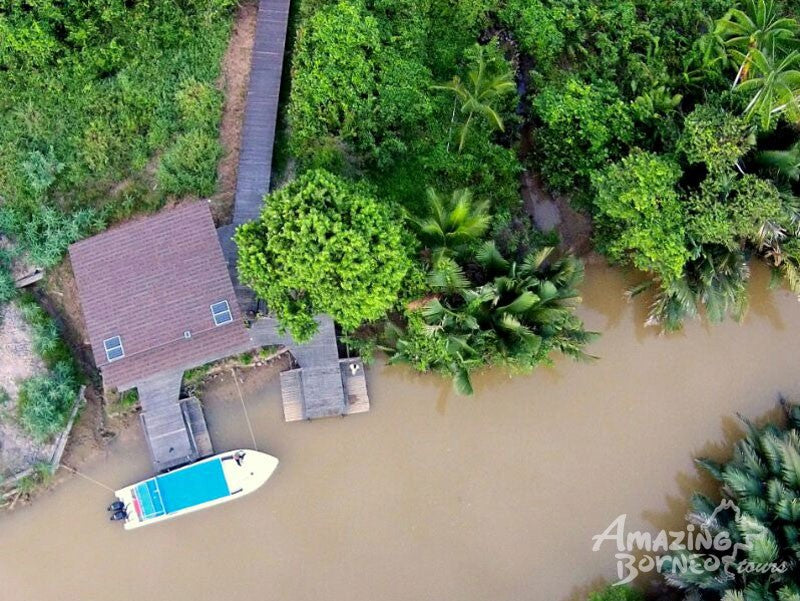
x=311, y=393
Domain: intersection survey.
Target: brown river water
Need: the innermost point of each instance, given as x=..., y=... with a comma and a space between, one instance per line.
x=432, y=496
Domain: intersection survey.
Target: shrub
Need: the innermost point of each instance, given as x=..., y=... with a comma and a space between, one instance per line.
x=324, y=245
x=190, y=165
x=45, y=401
x=198, y=104
x=7, y=287
x=47, y=339
x=584, y=126
x=44, y=232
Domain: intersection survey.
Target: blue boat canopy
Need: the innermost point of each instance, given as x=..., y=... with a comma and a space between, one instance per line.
x=181, y=489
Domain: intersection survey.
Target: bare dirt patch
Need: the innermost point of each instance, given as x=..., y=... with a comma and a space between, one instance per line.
x=58, y=294
x=18, y=361
x=233, y=82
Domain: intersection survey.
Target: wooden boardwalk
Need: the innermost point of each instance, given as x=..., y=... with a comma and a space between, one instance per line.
x=261, y=111
x=175, y=429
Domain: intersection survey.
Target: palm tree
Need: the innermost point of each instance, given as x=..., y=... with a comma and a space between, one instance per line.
x=759, y=514
x=482, y=89
x=759, y=26
x=716, y=281
x=452, y=223
x=774, y=83
x=785, y=163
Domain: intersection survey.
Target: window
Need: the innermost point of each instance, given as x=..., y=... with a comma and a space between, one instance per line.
x=114, y=348
x=221, y=312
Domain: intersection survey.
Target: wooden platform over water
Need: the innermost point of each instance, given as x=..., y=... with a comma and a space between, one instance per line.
x=311, y=393
x=176, y=434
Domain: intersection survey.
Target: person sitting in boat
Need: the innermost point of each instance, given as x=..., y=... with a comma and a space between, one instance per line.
x=238, y=456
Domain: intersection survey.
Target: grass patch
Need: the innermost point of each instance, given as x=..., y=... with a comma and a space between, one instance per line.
x=45, y=400
x=92, y=92
x=41, y=475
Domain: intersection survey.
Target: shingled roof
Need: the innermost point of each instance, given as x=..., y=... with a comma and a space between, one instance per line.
x=152, y=283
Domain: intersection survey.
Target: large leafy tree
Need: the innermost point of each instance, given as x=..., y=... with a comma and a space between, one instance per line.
x=640, y=214
x=323, y=245
x=761, y=485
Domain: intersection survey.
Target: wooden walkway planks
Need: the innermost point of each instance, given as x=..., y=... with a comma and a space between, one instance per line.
x=175, y=430
x=261, y=111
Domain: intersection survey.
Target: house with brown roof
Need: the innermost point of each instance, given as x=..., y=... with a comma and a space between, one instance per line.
x=156, y=296
x=157, y=300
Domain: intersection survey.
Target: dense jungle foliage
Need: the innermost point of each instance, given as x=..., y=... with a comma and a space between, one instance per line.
x=672, y=124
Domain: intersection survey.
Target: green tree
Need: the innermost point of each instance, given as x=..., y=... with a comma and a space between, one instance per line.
x=323, y=245
x=486, y=82
x=334, y=78
x=453, y=223
x=715, y=137
x=729, y=210
x=584, y=125
x=640, y=215
x=760, y=489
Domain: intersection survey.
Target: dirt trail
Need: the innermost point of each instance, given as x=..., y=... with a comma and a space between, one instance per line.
x=233, y=82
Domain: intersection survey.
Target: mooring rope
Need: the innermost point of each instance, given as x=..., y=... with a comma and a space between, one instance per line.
x=244, y=408
x=84, y=476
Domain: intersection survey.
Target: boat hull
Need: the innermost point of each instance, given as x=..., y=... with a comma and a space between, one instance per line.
x=211, y=481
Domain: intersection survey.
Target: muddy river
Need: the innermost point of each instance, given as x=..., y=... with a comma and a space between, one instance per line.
x=431, y=496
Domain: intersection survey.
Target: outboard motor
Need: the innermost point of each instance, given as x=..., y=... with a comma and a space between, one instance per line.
x=116, y=506
x=119, y=516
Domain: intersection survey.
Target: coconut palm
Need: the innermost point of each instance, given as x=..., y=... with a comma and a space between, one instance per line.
x=774, y=84
x=483, y=87
x=452, y=223
x=759, y=514
x=757, y=26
